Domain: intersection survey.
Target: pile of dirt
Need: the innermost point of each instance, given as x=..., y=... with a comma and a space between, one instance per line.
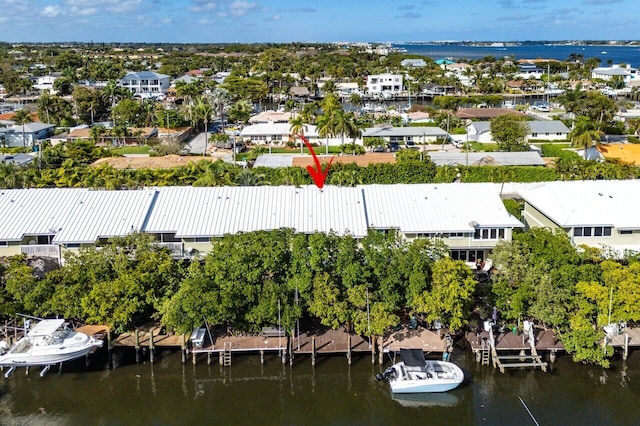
x=360, y=160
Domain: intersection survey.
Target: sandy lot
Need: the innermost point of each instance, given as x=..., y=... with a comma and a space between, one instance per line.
x=360, y=160
x=145, y=162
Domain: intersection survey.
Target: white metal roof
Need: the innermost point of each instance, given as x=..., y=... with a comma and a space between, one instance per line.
x=587, y=203
x=83, y=215
x=73, y=215
x=436, y=207
x=195, y=212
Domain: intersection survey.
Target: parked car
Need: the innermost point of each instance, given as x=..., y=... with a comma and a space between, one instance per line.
x=394, y=147
x=379, y=148
x=411, y=145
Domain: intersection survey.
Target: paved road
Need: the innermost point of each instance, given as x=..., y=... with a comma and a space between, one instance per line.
x=197, y=144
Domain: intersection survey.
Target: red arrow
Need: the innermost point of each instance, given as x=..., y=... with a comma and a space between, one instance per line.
x=318, y=175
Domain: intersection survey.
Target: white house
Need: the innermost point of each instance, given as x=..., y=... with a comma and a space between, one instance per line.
x=529, y=71
x=12, y=135
x=381, y=84
x=45, y=82
x=549, y=130
x=595, y=213
x=276, y=134
x=413, y=63
x=402, y=135
x=146, y=82
x=629, y=75
x=470, y=218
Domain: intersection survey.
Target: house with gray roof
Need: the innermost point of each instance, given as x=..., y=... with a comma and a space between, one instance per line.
x=12, y=136
x=628, y=74
x=402, y=135
x=145, y=82
x=549, y=130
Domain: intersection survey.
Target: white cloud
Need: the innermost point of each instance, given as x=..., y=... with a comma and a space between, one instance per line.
x=50, y=11
x=241, y=8
x=203, y=5
x=275, y=17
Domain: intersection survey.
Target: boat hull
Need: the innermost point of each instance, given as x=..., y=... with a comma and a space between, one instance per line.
x=29, y=360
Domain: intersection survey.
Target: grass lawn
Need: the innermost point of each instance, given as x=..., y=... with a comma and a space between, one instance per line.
x=144, y=149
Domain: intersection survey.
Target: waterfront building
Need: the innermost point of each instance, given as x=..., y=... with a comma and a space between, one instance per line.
x=470, y=218
x=596, y=213
x=384, y=84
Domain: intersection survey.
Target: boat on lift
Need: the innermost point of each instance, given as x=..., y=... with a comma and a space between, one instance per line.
x=48, y=342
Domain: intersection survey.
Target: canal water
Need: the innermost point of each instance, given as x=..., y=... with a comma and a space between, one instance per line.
x=331, y=393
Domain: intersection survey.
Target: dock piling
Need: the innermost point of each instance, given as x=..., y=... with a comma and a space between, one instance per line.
x=136, y=336
x=151, y=346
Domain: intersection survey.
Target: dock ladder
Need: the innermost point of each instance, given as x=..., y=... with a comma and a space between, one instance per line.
x=486, y=352
x=227, y=355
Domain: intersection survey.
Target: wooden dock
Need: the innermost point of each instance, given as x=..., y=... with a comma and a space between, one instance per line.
x=626, y=339
x=225, y=345
x=328, y=341
x=500, y=349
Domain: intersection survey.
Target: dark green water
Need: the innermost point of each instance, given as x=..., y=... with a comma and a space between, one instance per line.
x=331, y=393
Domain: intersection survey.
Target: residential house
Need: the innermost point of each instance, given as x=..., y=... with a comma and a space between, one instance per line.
x=404, y=135
x=548, y=130
x=33, y=133
x=46, y=82
x=628, y=75
x=19, y=159
x=413, y=63
x=347, y=89
x=271, y=117
x=470, y=218
x=145, y=82
x=384, y=84
x=276, y=134
x=529, y=71
x=595, y=213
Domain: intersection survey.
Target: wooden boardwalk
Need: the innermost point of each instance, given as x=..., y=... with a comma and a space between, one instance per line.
x=419, y=338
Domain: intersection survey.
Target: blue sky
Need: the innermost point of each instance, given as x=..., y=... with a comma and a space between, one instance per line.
x=249, y=21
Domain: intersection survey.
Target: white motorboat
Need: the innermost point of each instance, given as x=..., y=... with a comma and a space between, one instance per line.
x=48, y=342
x=417, y=375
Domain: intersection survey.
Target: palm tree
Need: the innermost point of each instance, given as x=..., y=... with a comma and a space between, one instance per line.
x=325, y=129
x=573, y=101
x=204, y=110
x=298, y=127
x=585, y=134
x=356, y=100
x=45, y=105
x=96, y=132
x=22, y=117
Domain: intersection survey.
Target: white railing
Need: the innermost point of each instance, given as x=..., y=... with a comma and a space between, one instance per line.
x=41, y=250
x=176, y=249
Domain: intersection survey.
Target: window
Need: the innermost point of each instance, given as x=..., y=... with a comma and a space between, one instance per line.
x=202, y=240
x=4, y=243
x=588, y=231
x=625, y=232
x=488, y=233
x=73, y=245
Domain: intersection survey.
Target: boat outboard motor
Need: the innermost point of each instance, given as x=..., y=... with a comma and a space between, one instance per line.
x=388, y=373
x=4, y=346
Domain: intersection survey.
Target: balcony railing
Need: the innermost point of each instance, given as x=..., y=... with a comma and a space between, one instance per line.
x=41, y=250
x=176, y=249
